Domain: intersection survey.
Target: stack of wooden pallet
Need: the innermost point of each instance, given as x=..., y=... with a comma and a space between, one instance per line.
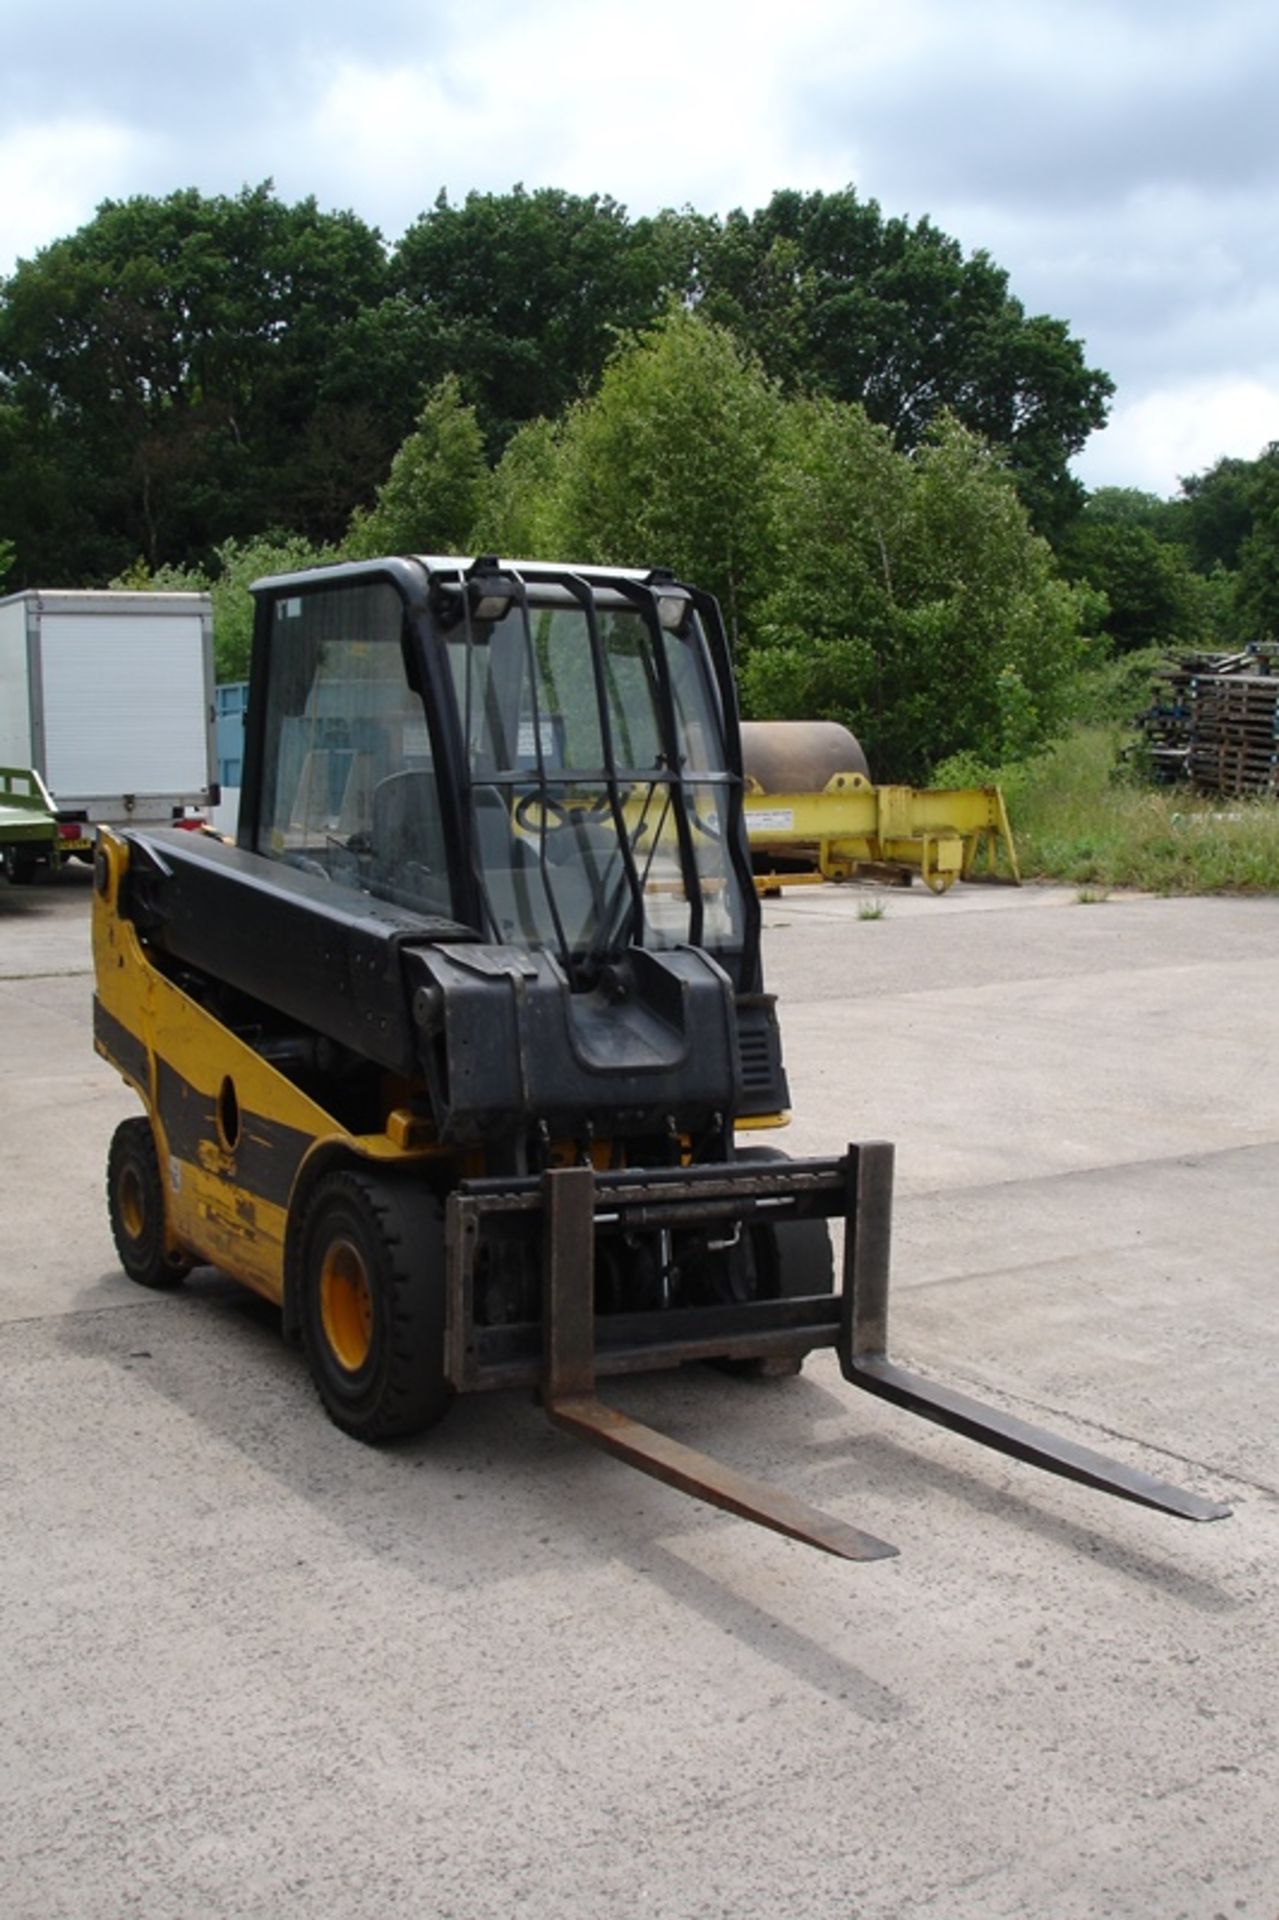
x=1214, y=721
x=1165, y=726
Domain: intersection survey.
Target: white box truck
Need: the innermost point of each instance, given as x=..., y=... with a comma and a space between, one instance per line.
x=109, y=698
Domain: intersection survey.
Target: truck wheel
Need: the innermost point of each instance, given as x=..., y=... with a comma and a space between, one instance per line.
x=799, y=1259
x=792, y=1260
x=135, y=1204
x=20, y=868
x=371, y=1275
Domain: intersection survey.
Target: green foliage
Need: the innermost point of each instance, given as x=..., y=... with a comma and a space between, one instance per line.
x=1021, y=727
x=1257, y=591
x=841, y=301
x=1199, y=571
x=1131, y=507
x=191, y=368
x=524, y=294
x=1226, y=523
x=1110, y=692
x=6, y=561
x=239, y=564
x=429, y=501
x=140, y=578
x=1217, y=508
x=668, y=464
x=911, y=600
x=906, y=597
x=48, y=502
x=1153, y=598
x=1078, y=816
x=236, y=565
x=797, y=430
x=517, y=517
x=173, y=355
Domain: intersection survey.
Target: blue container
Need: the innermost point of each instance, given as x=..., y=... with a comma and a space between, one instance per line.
x=232, y=699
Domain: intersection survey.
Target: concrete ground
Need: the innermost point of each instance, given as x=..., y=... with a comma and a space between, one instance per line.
x=253, y=1669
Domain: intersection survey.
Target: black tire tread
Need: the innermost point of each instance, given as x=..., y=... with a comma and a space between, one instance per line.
x=147, y=1264
x=407, y=1391
x=805, y=1265
x=805, y=1255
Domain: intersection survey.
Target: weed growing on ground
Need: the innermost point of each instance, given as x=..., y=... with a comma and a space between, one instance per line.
x=1079, y=813
x=871, y=910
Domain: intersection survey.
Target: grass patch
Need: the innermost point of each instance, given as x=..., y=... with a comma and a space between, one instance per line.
x=871, y=910
x=1079, y=815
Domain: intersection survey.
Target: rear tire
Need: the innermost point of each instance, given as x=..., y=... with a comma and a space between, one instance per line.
x=135, y=1204
x=371, y=1306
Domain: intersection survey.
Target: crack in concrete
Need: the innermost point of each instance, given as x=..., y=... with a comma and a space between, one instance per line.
x=55, y=973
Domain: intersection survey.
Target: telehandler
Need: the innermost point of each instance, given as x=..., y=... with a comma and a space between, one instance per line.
x=448, y=1054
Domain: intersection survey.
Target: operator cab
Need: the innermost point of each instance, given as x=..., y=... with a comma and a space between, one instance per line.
x=546, y=756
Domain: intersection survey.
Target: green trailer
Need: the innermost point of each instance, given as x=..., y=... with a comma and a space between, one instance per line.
x=28, y=827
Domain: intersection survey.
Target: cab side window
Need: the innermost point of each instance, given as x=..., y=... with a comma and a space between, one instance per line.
x=349, y=789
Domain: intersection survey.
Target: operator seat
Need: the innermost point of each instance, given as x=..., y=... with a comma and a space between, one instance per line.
x=518, y=889
x=410, y=860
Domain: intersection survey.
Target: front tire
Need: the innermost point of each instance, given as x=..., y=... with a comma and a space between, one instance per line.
x=371, y=1278
x=135, y=1205
x=793, y=1260
x=796, y=1257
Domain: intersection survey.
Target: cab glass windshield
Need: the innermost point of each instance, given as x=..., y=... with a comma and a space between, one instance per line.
x=598, y=785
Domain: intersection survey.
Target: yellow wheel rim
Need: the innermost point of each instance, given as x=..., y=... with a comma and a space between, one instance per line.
x=132, y=1201
x=346, y=1304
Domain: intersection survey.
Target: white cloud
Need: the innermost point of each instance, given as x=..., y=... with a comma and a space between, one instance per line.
x=1175, y=431
x=54, y=174
x=571, y=95
x=1119, y=161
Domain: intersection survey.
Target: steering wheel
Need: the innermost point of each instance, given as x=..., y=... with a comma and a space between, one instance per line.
x=554, y=814
x=600, y=808
x=558, y=814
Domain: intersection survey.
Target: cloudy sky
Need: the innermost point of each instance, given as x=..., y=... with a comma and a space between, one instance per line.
x=1120, y=160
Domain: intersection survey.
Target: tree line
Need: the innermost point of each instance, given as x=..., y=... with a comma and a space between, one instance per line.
x=188, y=369
x=906, y=594
x=837, y=420
x=1199, y=570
